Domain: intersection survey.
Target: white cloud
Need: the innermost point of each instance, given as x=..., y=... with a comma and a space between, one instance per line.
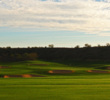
x=87, y=16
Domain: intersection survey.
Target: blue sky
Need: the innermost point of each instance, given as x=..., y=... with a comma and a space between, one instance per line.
x=65, y=23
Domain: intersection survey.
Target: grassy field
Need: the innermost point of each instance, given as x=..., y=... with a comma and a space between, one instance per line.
x=80, y=85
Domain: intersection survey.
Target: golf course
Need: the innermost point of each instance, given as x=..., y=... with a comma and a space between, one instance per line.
x=54, y=49
x=81, y=84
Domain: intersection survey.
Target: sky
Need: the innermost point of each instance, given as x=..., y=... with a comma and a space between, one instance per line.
x=64, y=23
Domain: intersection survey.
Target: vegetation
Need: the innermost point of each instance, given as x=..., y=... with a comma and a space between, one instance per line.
x=80, y=85
x=10, y=57
x=86, y=53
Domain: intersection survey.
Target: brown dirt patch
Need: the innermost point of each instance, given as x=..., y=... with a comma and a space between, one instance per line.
x=30, y=75
x=60, y=71
x=38, y=64
x=12, y=76
x=108, y=68
x=4, y=67
x=24, y=75
x=98, y=71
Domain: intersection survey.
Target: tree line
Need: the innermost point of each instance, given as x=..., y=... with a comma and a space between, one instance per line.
x=10, y=54
x=47, y=53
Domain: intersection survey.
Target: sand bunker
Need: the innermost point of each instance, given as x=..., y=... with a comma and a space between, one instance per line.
x=12, y=76
x=108, y=68
x=98, y=71
x=39, y=64
x=4, y=67
x=61, y=71
x=24, y=75
x=29, y=75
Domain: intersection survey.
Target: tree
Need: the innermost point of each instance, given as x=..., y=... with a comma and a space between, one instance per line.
x=99, y=45
x=107, y=44
x=32, y=56
x=87, y=45
x=77, y=46
x=50, y=45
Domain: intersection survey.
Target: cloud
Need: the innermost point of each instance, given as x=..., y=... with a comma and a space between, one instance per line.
x=89, y=16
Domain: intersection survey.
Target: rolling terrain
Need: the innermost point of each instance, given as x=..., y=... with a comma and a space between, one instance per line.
x=80, y=85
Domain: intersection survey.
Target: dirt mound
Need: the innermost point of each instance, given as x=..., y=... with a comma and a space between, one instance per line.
x=24, y=75
x=60, y=71
x=98, y=71
x=38, y=64
x=4, y=67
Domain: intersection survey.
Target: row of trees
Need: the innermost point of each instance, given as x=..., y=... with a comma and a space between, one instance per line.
x=78, y=46
x=89, y=45
x=52, y=53
x=7, y=56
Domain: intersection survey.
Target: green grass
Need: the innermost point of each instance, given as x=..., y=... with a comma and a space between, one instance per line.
x=80, y=85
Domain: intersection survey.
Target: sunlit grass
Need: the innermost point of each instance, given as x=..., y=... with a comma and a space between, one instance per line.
x=80, y=85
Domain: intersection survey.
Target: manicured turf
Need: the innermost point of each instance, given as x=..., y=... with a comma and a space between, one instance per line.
x=80, y=85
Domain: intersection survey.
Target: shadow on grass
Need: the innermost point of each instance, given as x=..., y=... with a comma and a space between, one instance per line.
x=85, y=64
x=23, y=65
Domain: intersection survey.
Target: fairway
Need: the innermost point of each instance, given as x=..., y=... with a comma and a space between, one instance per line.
x=54, y=50
x=79, y=85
